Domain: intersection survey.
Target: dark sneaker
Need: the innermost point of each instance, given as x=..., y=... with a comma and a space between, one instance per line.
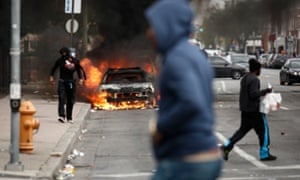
x=61, y=119
x=269, y=158
x=225, y=152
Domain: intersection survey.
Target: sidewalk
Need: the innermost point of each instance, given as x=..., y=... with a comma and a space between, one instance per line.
x=52, y=143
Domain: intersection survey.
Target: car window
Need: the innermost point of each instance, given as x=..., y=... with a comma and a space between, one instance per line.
x=218, y=61
x=280, y=57
x=125, y=78
x=239, y=59
x=295, y=64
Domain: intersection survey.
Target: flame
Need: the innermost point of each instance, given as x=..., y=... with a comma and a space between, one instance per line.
x=95, y=74
x=99, y=102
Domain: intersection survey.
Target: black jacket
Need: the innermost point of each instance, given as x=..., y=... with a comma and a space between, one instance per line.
x=67, y=66
x=250, y=93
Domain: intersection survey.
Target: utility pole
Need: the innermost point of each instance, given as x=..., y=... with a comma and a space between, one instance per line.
x=15, y=88
x=72, y=24
x=85, y=26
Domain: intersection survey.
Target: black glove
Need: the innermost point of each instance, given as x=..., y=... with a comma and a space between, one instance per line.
x=266, y=91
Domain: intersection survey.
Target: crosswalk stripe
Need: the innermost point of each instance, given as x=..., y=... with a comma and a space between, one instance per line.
x=243, y=154
x=122, y=175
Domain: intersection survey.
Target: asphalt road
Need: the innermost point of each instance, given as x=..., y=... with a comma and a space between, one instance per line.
x=116, y=143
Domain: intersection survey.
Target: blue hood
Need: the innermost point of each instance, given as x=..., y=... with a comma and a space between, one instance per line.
x=171, y=21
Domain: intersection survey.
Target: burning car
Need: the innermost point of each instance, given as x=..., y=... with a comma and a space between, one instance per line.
x=126, y=88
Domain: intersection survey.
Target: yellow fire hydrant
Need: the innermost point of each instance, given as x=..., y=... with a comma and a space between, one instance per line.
x=27, y=125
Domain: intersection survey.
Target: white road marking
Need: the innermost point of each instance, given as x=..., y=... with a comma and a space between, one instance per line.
x=238, y=150
x=132, y=175
x=123, y=175
x=297, y=166
x=243, y=154
x=220, y=86
x=260, y=178
x=149, y=174
x=223, y=86
x=284, y=108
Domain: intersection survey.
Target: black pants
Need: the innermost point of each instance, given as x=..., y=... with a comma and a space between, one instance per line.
x=66, y=96
x=258, y=122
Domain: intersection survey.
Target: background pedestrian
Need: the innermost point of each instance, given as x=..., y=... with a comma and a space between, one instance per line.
x=66, y=87
x=251, y=118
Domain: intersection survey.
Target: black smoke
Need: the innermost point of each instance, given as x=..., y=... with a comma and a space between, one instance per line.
x=121, y=25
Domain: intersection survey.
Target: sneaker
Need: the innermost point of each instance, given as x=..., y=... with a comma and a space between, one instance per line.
x=225, y=152
x=70, y=121
x=61, y=119
x=269, y=158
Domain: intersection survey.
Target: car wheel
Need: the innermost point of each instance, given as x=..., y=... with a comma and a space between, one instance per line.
x=281, y=82
x=288, y=82
x=236, y=75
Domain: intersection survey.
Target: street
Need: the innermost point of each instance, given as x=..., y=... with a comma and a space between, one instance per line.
x=106, y=56
x=116, y=143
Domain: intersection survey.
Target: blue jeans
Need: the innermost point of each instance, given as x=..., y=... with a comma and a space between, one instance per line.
x=181, y=170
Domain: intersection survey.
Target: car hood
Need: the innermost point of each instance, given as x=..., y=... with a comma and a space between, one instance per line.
x=238, y=65
x=246, y=65
x=119, y=86
x=295, y=69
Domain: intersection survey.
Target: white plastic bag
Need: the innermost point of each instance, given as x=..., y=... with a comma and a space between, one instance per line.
x=270, y=102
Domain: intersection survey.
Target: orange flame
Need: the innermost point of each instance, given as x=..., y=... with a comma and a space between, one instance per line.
x=94, y=77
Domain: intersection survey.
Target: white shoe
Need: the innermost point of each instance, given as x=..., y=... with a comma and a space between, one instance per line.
x=70, y=121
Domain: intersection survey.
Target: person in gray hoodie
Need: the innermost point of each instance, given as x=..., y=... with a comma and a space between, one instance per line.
x=184, y=143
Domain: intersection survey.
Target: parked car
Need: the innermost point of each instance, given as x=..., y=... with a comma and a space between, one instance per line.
x=270, y=59
x=224, y=69
x=239, y=59
x=290, y=72
x=215, y=52
x=127, y=85
x=263, y=59
x=278, y=61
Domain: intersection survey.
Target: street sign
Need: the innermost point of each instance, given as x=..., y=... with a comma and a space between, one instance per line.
x=69, y=4
x=68, y=26
x=15, y=91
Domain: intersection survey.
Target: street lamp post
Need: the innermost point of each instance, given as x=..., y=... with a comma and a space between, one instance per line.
x=85, y=26
x=72, y=23
x=15, y=88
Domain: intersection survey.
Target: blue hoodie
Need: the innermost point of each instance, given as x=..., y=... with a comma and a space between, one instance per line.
x=185, y=116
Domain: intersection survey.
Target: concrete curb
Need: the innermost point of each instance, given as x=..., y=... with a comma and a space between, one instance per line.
x=18, y=174
x=64, y=146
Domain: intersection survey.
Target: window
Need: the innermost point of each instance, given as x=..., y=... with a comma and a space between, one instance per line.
x=217, y=61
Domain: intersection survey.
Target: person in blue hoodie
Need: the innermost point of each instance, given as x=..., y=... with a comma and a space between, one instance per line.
x=184, y=143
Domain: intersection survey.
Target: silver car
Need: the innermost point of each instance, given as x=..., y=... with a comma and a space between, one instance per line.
x=129, y=85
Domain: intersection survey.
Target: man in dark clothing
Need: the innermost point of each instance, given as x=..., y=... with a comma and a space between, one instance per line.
x=66, y=83
x=251, y=118
x=184, y=142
